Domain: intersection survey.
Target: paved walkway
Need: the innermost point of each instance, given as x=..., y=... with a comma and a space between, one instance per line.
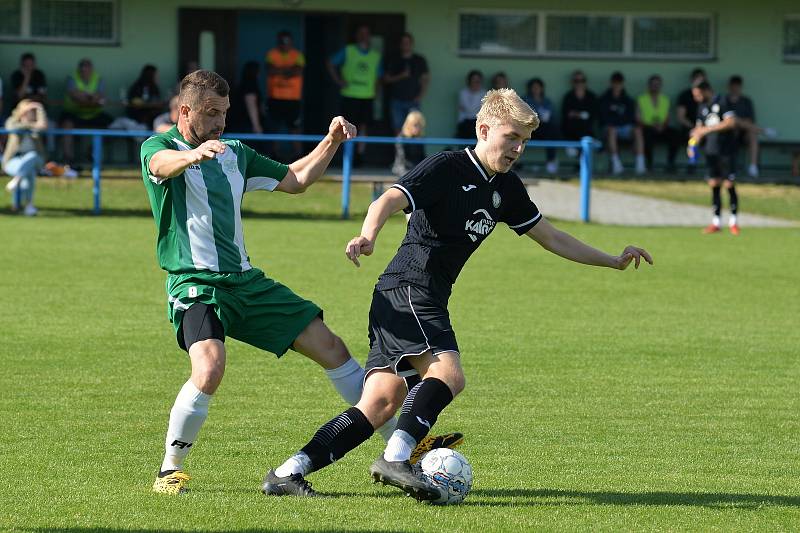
x=562, y=200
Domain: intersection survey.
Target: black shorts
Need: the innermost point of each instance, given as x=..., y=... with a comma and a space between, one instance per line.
x=357, y=110
x=284, y=112
x=719, y=167
x=403, y=322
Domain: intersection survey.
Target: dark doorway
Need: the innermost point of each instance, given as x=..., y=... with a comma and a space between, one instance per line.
x=215, y=25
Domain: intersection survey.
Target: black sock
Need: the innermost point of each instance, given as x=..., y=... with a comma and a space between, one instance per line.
x=734, y=199
x=716, y=200
x=337, y=437
x=422, y=406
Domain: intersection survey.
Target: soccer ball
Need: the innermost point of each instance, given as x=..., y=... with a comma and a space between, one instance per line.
x=450, y=472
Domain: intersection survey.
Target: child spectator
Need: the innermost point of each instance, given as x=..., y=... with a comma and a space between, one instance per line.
x=24, y=153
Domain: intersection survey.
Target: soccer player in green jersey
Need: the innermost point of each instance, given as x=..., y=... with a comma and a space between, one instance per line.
x=195, y=182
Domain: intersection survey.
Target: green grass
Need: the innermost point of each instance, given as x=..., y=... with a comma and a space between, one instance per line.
x=781, y=201
x=661, y=399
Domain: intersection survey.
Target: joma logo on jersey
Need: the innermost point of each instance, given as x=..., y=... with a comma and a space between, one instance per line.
x=482, y=226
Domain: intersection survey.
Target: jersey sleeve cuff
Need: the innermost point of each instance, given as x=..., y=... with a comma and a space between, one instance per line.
x=411, y=205
x=523, y=228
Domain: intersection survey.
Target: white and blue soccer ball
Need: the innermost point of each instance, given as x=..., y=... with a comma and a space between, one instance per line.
x=450, y=472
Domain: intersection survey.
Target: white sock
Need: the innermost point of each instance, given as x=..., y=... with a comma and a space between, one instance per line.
x=299, y=463
x=715, y=220
x=616, y=160
x=348, y=380
x=732, y=220
x=639, y=160
x=399, y=447
x=185, y=419
x=387, y=429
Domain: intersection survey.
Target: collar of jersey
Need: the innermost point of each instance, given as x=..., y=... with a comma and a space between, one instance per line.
x=475, y=161
x=177, y=134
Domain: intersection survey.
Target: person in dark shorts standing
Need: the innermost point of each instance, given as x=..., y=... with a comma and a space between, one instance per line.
x=715, y=125
x=456, y=200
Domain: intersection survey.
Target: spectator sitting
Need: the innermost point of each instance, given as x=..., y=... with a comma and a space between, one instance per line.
x=617, y=114
x=83, y=104
x=500, y=81
x=547, y=129
x=24, y=153
x=285, y=65
x=747, y=131
x=165, y=121
x=27, y=83
x=408, y=78
x=407, y=156
x=578, y=111
x=144, y=97
x=653, y=117
x=686, y=111
x=469, y=103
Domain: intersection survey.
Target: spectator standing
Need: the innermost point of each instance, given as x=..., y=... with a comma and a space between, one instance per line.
x=285, y=66
x=617, y=115
x=84, y=103
x=652, y=112
x=27, y=82
x=469, y=103
x=686, y=110
x=716, y=121
x=547, y=130
x=24, y=154
x=578, y=110
x=408, y=78
x=144, y=97
x=356, y=69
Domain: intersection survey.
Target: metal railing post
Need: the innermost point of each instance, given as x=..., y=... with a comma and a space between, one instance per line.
x=97, y=162
x=586, y=176
x=347, y=169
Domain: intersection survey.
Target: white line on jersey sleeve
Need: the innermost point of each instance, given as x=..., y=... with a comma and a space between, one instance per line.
x=261, y=184
x=534, y=219
x=408, y=195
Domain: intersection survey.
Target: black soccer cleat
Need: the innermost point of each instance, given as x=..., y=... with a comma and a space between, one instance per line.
x=294, y=485
x=402, y=475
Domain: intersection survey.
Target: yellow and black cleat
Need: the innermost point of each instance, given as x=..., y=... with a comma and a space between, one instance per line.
x=171, y=482
x=448, y=440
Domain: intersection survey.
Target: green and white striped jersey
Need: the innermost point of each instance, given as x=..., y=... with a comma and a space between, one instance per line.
x=198, y=213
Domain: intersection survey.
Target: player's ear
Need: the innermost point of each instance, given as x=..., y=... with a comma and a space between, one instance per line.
x=482, y=131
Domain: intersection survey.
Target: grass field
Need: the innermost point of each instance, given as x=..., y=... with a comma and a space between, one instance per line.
x=659, y=399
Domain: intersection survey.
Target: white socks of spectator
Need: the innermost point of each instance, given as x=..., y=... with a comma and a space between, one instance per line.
x=616, y=165
x=641, y=168
x=348, y=380
x=185, y=420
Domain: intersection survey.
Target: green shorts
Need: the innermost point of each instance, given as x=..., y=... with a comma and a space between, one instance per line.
x=252, y=307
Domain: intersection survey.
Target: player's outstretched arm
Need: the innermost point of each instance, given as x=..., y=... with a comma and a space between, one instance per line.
x=568, y=247
x=306, y=170
x=379, y=212
x=170, y=163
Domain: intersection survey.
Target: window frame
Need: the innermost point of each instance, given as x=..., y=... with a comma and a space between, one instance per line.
x=25, y=35
x=788, y=58
x=627, y=51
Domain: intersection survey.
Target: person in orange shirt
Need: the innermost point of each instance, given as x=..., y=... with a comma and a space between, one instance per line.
x=285, y=65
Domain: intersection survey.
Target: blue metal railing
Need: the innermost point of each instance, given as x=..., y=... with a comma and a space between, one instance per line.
x=586, y=145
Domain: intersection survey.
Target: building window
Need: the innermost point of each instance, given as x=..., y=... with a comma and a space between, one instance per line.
x=59, y=21
x=498, y=33
x=672, y=36
x=585, y=34
x=791, y=38
x=611, y=35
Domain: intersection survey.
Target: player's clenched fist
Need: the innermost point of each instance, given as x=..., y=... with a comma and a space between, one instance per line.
x=208, y=150
x=358, y=246
x=341, y=130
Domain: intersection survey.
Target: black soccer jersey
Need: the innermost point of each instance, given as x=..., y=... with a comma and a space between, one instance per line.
x=710, y=114
x=455, y=205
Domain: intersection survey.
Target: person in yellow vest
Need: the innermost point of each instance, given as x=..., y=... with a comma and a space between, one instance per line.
x=652, y=114
x=356, y=69
x=285, y=65
x=84, y=101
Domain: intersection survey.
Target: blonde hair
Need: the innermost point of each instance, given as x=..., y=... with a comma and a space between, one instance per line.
x=503, y=105
x=413, y=117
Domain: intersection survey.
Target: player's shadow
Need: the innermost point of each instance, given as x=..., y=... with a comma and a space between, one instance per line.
x=116, y=212
x=554, y=497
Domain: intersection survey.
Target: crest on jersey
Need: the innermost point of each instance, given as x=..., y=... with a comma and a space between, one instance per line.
x=496, y=199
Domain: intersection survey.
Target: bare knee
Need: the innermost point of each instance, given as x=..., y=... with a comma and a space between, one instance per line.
x=321, y=345
x=729, y=184
x=379, y=409
x=208, y=364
